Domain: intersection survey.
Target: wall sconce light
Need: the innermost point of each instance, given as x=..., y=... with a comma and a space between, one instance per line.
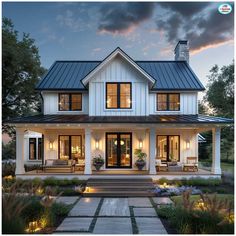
x=140, y=144
x=97, y=144
x=51, y=145
x=187, y=145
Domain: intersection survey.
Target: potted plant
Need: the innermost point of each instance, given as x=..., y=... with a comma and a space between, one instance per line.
x=140, y=162
x=98, y=162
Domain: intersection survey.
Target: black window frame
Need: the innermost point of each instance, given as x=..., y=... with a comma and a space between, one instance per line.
x=118, y=150
x=168, y=145
x=70, y=101
x=118, y=95
x=167, y=101
x=35, y=150
x=59, y=148
x=40, y=149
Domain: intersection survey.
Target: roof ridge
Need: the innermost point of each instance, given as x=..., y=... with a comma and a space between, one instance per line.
x=134, y=61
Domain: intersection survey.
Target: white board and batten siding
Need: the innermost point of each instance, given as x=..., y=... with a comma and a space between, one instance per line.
x=118, y=70
x=144, y=101
x=188, y=104
x=50, y=100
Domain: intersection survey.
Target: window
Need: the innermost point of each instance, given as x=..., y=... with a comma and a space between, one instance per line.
x=118, y=95
x=168, y=147
x=168, y=102
x=70, y=147
x=35, y=149
x=70, y=102
x=32, y=148
x=40, y=148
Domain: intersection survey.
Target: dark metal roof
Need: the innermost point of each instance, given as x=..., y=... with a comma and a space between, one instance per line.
x=153, y=119
x=169, y=75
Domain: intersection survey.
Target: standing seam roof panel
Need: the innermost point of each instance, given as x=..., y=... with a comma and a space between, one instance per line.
x=188, y=78
x=169, y=75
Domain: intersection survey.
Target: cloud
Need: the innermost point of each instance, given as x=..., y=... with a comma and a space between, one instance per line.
x=200, y=23
x=123, y=18
x=186, y=9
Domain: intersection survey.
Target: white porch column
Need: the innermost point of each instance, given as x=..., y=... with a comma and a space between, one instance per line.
x=20, y=169
x=216, y=169
x=88, y=169
x=152, y=151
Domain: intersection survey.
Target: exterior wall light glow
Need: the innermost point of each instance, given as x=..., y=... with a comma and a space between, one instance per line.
x=97, y=144
x=187, y=145
x=140, y=144
x=51, y=145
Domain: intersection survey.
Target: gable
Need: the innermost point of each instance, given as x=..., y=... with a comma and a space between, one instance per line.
x=118, y=53
x=118, y=70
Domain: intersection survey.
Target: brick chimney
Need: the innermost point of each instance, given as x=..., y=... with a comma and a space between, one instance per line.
x=182, y=51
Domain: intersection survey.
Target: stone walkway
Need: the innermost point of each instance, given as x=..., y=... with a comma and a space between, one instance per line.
x=113, y=216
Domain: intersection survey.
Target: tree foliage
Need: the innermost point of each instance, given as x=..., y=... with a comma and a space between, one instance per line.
x=220, y=90
x=21, y=70
x=220, y=99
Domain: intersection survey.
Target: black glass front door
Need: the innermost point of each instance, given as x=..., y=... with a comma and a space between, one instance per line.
x=118, y=150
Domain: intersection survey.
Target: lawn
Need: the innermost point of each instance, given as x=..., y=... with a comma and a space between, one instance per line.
x=179, y=199
x=227, y=167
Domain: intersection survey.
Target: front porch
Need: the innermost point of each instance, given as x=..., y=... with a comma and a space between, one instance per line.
x=116, y=143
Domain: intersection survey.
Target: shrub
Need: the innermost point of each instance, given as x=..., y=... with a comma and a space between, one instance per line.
x=31, y=167
x=13, y=205
x=68, y=192
x=206, y=216
x=60, y=209
x=51, y=181
x=8, y=168
x=165, y=211
x=33, y=210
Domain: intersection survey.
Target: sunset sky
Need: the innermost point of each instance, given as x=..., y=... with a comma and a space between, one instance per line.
x=145, y=31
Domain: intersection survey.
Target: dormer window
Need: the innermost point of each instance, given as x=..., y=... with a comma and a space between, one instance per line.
x=70, y=102
x=118, y=96
x=168, y=102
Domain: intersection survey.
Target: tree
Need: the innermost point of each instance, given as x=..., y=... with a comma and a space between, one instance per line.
x=220, y=99
x=21, y=71
x=220, y=90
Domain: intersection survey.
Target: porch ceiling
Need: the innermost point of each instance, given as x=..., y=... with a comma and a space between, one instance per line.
x=151, y=119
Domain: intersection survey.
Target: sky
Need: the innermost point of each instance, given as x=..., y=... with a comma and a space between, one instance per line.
x=145, y=31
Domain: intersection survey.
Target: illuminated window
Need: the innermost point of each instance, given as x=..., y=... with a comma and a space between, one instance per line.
x=70, y=147
x=168, y=102
x=70, y=102
x=32, y=148
x=118, y=95
x=168, y=147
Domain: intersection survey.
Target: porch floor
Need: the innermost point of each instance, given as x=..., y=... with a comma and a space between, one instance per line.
x=118, y=173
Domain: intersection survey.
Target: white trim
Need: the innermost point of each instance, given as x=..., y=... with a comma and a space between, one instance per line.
x=87, y=78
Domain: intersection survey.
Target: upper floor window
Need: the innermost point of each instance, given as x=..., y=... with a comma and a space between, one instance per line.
x=168, y=102
x=118, y=95
x=70, y=102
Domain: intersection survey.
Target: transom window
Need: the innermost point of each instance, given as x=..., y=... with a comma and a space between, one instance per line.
x=118, y=96
x=168, y=102
x=70, y=102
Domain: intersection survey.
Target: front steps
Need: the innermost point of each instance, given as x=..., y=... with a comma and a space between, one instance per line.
x=119, y=187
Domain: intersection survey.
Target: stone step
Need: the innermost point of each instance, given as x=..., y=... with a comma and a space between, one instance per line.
x=120, y=179
x=121, y=188
x=119, y=194
x=148, y=185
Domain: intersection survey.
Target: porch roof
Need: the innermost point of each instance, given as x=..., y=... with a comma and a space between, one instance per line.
x=151, y=119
